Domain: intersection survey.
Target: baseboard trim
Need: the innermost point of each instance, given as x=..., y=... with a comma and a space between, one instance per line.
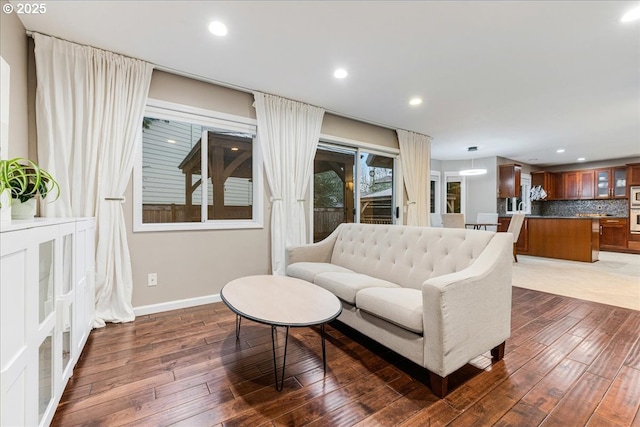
x=175, y=305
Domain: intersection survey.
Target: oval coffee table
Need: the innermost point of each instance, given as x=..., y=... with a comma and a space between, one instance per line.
x=281, y=301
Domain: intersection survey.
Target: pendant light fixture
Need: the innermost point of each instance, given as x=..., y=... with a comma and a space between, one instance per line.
x=473, y=170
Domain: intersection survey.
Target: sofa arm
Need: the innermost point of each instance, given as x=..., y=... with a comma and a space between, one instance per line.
x=468, y=312
x=315, y=252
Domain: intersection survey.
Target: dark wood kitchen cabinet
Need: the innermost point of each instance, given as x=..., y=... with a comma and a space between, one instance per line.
x=613, y=234
x=633, y=174
x=509, y=180
x=571, y=238
x=579, y=184
x=551, y=182
x=611, y=183
x=522, y=245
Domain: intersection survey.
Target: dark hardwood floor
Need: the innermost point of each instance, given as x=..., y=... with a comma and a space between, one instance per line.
x=568, y=363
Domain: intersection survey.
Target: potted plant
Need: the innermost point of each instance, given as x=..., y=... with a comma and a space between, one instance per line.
x=24, y=180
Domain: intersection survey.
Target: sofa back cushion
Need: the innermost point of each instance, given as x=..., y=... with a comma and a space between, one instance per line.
x=406, y=255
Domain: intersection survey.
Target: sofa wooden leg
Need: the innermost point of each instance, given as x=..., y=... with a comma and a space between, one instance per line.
x=515, y=257
x=438, y=384
x=498, y=352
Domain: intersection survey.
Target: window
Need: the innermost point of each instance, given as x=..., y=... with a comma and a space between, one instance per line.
x=521, y=204
x=435, y=192
x=455, y=193
x=183, y=183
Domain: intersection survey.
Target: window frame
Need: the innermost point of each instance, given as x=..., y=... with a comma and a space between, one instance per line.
x=463, y=190
x=208, y=119
x=436, y=177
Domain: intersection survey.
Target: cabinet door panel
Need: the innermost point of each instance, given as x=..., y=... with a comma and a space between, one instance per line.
x=570, y=180
x=603, y=183
x=509, y=181
x=587, y=184
x=619, y=184
x=613, y=234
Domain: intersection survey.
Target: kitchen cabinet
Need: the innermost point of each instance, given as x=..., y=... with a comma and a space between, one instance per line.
x=46, y=312
x=551, y=182
x=611, y=183
x=613, y=234
x=578, y=184
x=509, y=180
x=633, y=174
x=571, y=238
x=522, y=245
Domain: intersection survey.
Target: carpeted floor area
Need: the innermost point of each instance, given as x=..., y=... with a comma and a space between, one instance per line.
x=614, y=279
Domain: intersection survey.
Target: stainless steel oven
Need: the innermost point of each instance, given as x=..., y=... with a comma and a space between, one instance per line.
x=634, y=221
x=634, y=197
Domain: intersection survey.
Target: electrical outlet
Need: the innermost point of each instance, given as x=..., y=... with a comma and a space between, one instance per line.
x=152, y=279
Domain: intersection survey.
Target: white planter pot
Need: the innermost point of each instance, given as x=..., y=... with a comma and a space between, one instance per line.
x=5, y=208
x=26, y=210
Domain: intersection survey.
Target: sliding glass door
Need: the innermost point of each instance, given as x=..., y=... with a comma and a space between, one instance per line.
x=377, y=195
x=334, y=189
x=346, y=190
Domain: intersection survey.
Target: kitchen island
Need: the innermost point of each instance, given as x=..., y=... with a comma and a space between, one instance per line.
x=570, y=238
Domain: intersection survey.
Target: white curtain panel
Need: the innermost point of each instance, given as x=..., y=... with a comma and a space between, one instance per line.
x=415, y=153
x=288, y=134
x=89, y=110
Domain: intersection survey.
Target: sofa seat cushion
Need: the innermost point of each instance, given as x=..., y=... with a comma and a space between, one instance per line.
x=309, y=270
x=401, y=306
x=346, y=285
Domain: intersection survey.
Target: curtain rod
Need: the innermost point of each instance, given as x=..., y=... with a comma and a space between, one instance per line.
x=234, y=86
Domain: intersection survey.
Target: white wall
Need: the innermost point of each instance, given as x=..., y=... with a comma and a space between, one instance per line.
x=480, y=191
x=14, y=48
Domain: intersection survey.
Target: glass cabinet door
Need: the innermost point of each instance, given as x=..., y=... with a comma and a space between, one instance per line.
x=66, y=336
x=45, y=374
x=619, y=182
x=67, y=264
x=46, y=280
x=602, y=181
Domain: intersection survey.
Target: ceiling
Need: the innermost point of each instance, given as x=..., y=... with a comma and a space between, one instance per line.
x=516, y=79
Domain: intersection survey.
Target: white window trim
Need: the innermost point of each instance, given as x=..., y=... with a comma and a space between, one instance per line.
x=210, y=119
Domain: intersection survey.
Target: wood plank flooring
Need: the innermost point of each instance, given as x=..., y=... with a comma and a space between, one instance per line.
x=568, y=362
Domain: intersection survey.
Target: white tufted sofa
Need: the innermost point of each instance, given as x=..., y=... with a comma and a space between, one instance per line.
x=438, y=296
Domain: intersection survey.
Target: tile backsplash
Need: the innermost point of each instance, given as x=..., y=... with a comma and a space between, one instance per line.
x=616, y=207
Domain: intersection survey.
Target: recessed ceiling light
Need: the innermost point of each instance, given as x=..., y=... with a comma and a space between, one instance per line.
x=217, y=28
x=340, y=73
x=581, y=159
x=171, y=141
x=632, y=15
x=234, y=148
x=415, y=101
x=560, y=150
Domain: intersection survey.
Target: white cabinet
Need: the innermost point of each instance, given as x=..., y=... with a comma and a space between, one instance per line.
x=46, y=313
